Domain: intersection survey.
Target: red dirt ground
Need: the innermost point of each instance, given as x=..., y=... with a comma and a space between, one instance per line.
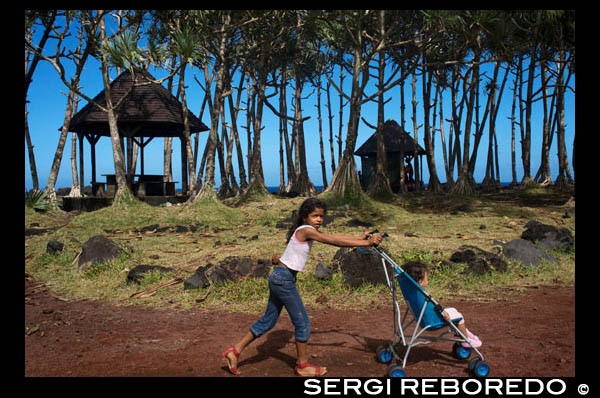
x=528, y=334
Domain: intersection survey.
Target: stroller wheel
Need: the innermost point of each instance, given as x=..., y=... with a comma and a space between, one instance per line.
x=460, y=352
x=479, y=368
x=384, y=354
x=395, y=370
x=473, y=363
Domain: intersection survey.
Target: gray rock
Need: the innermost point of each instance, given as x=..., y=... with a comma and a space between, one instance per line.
x=54, y=246
x=198, y=279
x=231, y=268
x=361, y=266
x=526, y=253
x=322, y=272
x=548, y=237
x=98, y=249
x=478, y=260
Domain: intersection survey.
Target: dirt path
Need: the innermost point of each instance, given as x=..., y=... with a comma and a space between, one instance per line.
x=531, y=334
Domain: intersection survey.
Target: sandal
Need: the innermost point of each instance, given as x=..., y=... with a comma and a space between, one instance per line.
x=308, y=365
x=226, y=351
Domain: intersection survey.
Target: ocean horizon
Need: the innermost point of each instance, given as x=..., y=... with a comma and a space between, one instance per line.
x=274, y=189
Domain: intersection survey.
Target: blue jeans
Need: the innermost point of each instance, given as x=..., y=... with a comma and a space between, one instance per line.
x=283, y=293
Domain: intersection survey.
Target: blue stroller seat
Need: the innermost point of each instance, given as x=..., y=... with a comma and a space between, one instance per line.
x=427, y=317
x=417, y=297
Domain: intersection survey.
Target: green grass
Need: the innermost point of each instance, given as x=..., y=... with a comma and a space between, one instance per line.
x=438, y=226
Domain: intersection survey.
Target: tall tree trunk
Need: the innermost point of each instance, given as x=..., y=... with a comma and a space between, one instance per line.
x=51, y=184
x=526, y=142
x=281, y=188
x=233, y=111
x=32, y=166
x=186, y=130
x=513, y=123
x=291, y=169
x=434, y=182
x=345, y=182
x=75, y=191
x=543, y=176
x=330, y=129
x=302, y=186
x=463, y=184
x=443, y=138
x=256, y=183
x=491, y=98
x=323, y=172
x=341, y=112
x=228, y=186
x=29, y=70
x=207, y=189
x=123, y=194
x=380, y=183
x=168, y=141
x=415, y=134
x=561, y=179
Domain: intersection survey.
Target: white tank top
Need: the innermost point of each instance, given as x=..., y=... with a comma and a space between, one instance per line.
x=296, y=253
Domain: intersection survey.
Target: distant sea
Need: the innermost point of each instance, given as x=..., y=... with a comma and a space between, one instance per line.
x=319, y=188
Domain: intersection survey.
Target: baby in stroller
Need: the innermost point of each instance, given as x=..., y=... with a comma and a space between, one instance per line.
x=420, y=273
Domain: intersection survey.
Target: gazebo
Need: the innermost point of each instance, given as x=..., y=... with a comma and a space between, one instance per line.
x=394, y=139
x=148, y=111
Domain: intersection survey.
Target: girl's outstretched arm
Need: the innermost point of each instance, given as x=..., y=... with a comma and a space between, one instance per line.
x=338, y=240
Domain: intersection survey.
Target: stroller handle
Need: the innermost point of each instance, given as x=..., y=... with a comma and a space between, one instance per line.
x=383, y=235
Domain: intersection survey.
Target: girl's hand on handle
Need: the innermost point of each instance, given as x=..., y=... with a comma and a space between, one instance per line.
x=375, y=239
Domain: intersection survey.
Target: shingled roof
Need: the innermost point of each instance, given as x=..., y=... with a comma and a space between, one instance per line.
x=150, y=106
x=393, y=137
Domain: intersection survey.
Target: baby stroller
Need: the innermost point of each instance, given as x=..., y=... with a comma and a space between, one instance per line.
x=427, y=316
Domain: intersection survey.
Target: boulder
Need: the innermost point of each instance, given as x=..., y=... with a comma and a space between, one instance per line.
x=98, y=249
x=548, y=237
x=198, y=279
x=478, y=260
x=54, y=246
x=231, y=268
x=526, y=253
x=322, y=272
x=138, y=272
x=360, y=266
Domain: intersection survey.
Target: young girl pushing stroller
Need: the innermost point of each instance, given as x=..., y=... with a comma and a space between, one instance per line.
x=282, y=285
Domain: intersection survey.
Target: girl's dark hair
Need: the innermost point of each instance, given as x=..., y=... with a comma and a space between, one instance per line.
x=308, y=206
x=416, y=270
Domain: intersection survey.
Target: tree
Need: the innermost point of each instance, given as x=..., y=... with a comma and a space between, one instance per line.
x=380, y=184
x=304, y=66
x=262, y=40
x=347, y=31
x=47, y=21
x=79, y=56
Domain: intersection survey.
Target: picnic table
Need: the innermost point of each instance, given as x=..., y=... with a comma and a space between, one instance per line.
x=146, y=185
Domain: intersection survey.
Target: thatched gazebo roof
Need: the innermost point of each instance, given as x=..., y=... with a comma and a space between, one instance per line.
x=150, y=110
x=394, y=137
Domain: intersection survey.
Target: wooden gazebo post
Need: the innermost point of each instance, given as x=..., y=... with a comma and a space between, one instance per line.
x=93, y=139
x=184, y=165
x=81, y=180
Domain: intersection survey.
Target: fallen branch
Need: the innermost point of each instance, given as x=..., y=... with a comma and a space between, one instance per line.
x=153, y=289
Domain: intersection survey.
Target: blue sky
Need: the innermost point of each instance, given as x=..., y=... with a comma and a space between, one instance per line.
x=47, y=103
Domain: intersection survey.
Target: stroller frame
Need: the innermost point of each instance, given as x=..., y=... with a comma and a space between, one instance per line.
x=385, y=353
